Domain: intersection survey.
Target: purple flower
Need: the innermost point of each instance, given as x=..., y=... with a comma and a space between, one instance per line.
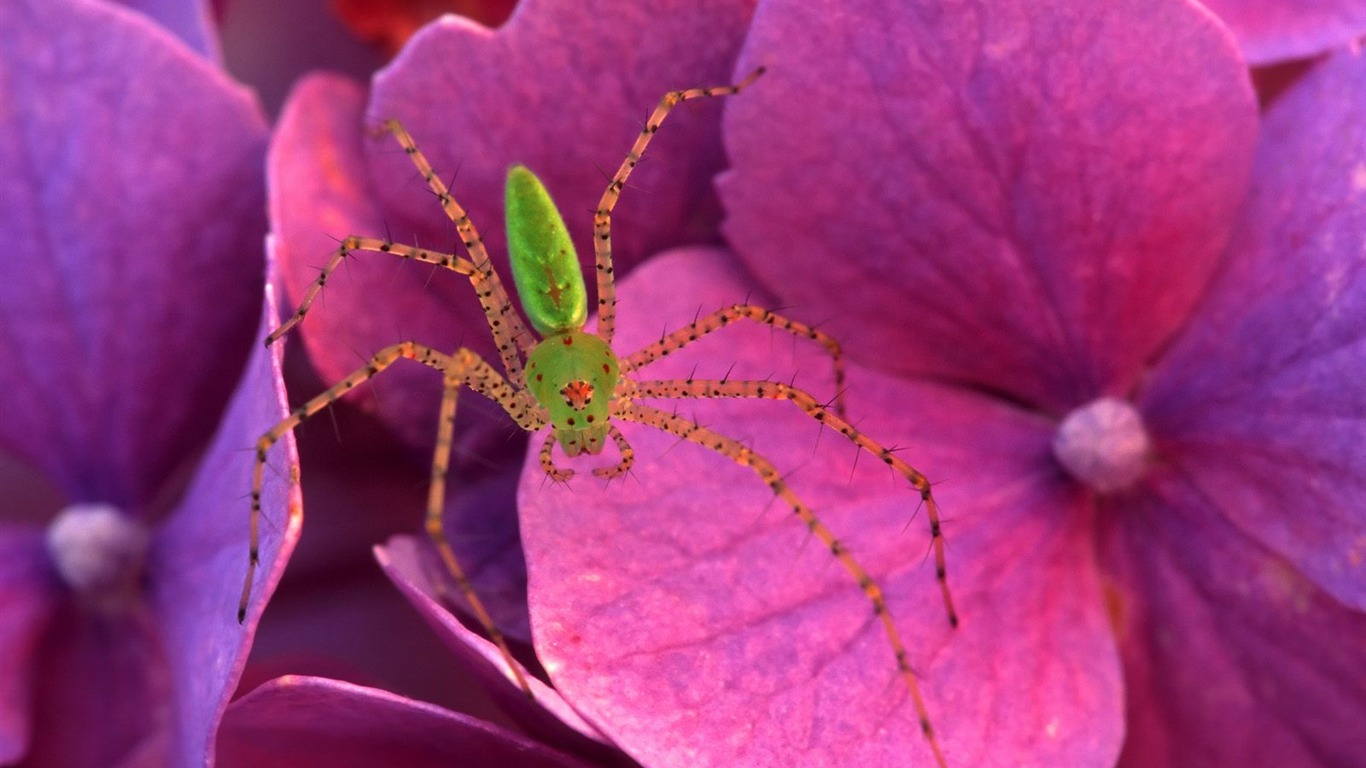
x=1049, y=235
x=131, y=217
x=1082, y=288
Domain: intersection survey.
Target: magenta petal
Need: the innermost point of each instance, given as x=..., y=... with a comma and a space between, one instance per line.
x=688, y=614
x=557, y=89
x=28, y=589
x=199, y=558
x=301, y=722
x=132, y=231
x=1023, y=196
x=103, y=693
x=1232, y=657
x=1261, y=401
x=1275, y=30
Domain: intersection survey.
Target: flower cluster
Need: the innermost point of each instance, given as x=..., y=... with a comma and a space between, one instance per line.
x=1109, y=302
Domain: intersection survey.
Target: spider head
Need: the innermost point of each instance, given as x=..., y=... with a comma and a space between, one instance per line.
x=573, y=375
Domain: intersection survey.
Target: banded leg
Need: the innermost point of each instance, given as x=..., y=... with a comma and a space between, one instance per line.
x=602, y=218
x=628, y=457
x=699, y=388
x=746, y=457
x=380, y=361
x=469, y=370
x=509, y=333
x=672, y=342
x=465, y=368
x=492, y=294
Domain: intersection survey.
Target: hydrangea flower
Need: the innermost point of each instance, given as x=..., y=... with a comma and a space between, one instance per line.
x=1052, y=234
x=132, y=223
x=1037, y=271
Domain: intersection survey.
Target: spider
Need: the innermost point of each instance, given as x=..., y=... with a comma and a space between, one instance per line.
x=571, y=380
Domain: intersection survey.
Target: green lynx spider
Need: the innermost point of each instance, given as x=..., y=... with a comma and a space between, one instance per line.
x=566, y=372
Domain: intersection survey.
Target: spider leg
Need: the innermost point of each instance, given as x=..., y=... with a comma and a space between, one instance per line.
x=746, y=457
x=464, y=368
x=509, y=332
x=628, y=458
x=468, y=369
x=548, y=461
x=672, y=342
x=602, y=217
x=774, y=390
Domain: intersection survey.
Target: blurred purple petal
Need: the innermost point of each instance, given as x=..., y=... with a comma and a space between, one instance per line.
x=190, y=20
x=1019, y=201
x=113, y=195
x=1274, y=30
x=1259, y=401
x=477, y=101
x=688, y=614
x=302, y=722
x=1232, y=656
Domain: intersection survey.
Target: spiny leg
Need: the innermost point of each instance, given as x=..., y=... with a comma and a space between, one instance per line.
x=380, y=361
x=465, y=368
x=493, y=297
x=602, y=218
x=773, y=390
x=672, y=342
x=745, y=456
x=468, y=369
x=628, y=458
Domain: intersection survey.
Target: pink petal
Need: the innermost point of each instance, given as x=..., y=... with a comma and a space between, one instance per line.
x=302, y=722
x=28, y=592
x=1022, y=196
x=1274, y=30
x=685, y=612
x=421, y=577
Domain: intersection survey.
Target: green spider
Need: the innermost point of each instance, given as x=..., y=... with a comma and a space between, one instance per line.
x=571, y=380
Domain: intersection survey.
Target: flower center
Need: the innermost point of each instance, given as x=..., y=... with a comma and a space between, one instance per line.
x=1103, y=445
x=99, y=552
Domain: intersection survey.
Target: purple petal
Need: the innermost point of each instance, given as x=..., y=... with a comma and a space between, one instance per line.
x=301, y=722
x=686, y=613
x=1232, y=657
x=1022, y=196
x=420, y=576
x=199, y=560
x=1261, y=400
x=132, y=224
x=28, y=589
x=1274, y=30
x=190, y=20
x=557, y=89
